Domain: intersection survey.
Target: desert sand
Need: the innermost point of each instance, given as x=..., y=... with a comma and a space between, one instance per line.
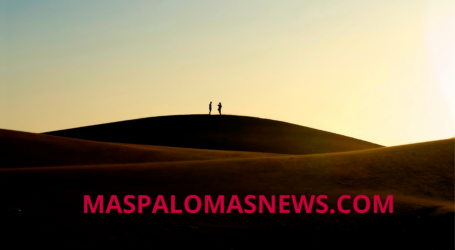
x=46, y=176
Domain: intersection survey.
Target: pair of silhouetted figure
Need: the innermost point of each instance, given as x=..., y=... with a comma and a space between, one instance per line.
x=219, y=108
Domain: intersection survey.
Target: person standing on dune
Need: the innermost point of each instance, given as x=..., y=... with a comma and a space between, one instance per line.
x=219, y=107
x=210, y=108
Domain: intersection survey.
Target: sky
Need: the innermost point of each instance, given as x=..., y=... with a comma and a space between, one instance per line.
x=381, y=71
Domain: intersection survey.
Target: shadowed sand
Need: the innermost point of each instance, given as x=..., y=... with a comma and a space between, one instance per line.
x=416, y=171
x=419, y=176
x=225, y=132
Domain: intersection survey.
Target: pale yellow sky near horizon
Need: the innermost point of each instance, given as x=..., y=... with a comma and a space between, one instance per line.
x=379, y=71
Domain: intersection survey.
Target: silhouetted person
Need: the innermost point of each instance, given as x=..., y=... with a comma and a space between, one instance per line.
x=219, y=107
x=210, y=108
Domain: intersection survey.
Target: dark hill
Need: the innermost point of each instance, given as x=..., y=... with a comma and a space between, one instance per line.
x=226, y=132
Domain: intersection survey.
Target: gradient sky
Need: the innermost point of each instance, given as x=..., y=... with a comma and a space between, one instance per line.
x=381, y=71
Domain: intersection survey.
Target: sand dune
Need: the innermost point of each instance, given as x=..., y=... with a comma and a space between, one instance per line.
x=422, y=171
x=224, y=132
x=60, y=171
x=22, y=149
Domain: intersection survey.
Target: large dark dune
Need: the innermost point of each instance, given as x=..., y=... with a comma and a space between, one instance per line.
x=226, y=132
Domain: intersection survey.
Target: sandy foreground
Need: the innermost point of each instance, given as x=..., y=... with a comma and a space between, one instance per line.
x=43, y=180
